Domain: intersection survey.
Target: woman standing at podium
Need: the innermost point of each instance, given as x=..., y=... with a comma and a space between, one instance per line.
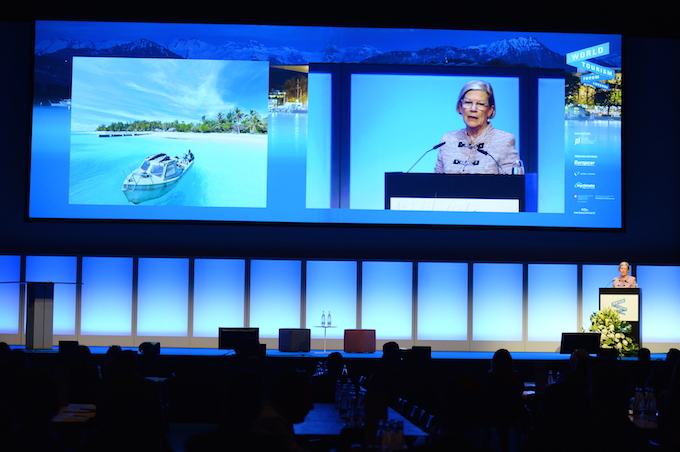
x=626, y=280
x=479, y=148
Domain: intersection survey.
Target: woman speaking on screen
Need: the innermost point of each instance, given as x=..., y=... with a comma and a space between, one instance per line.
x=478, y=148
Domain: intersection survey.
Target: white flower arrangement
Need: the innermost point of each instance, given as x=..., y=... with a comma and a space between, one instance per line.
x=613, y=332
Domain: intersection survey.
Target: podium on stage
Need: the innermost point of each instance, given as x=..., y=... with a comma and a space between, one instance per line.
x=455, y=192
x=39, y=314
x=625, y=301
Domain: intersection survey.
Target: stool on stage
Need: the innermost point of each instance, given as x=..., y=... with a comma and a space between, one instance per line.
x=294, y=339
x=359, y=341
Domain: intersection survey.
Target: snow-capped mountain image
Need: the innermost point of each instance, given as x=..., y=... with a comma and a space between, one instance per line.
x=54, y=55
x=68, y=49
x=524, y=51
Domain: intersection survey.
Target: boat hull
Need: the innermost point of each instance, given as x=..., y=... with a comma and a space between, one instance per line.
x=142, y=185
x=140, y=193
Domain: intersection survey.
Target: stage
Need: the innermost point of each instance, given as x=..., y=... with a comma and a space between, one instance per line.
x=320, y=354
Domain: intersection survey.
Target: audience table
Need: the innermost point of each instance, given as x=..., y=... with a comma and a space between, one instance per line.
x=325, y=420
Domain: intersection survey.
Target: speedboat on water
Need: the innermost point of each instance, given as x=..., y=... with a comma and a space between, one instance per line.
x=156, y=176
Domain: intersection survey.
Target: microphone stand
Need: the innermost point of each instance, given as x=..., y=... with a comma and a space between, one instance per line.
x=482, y=151
x=421, y=157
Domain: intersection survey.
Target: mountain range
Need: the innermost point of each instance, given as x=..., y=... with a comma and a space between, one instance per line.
x=53, y=57
x=520, y=51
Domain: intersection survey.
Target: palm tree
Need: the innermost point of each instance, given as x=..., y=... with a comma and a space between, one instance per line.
x=238, y=116
x=254, y=121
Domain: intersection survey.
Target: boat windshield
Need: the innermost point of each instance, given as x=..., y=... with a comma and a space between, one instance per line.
x=171, y=170
x=145, y=165
x=157, y=170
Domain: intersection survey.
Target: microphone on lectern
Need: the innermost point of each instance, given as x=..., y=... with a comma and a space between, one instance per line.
x=482, y=151
x=431, y=149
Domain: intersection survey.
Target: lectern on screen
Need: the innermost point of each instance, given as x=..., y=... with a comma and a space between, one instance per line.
x=455, y=192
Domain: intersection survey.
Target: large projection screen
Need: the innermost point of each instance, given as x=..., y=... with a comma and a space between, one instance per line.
x=289, y=124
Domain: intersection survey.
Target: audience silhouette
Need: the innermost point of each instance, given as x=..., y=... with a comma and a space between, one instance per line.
x=261, y=402
x=250, y=357
x=129, y=409
x=33, y=402
x=642, y=368
x=459, y=415
x=324, y=381
x=503, y=399
x=660, y=377
x=289, y=403
x=242, y=401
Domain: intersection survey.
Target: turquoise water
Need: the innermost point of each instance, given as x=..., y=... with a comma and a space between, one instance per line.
x=81, y=176
x=237, y=177
x=225, y=173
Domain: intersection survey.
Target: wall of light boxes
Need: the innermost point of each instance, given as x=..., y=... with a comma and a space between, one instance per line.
x=449, y=305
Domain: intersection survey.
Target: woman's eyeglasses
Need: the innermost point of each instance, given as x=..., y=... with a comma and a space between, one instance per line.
x=468, y=104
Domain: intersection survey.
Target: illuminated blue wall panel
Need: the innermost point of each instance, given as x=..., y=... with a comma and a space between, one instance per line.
x=660, y=293
x=275, y=293
x=219, y=295
x=331, y=287
x=550, y=136
x=552, y=304
x=497, y=308
x=163, y=297
x=594, y=278
x=10, y=271
x=60, y=269
x=387, y=299
x=442, y=301
x=106, y=302
x=319, y=139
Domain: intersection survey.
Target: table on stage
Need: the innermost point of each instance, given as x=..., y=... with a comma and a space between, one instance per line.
x=325, y=328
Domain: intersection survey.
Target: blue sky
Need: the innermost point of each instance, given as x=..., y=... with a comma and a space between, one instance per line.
x=107, y=90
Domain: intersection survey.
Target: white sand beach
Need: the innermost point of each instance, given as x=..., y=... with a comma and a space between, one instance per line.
x=236, y=138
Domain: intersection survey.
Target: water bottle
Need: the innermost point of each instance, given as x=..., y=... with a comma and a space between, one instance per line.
x=379, y=434
x=399, y=442
x=639, y=403
x=323, y=318
x=650, y=405
x=329, y=318
x=551, y=380
x=360, y=410
x=338, y=393
x=320, y=368
x=518, y=168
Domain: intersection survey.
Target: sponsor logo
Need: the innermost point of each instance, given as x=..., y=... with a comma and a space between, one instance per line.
x=584, y=162
x=588, y=53
x=580, y=59
x=583, y=186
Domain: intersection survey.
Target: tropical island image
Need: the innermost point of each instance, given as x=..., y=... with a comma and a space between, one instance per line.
x=235, y=121
x=169, y=132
